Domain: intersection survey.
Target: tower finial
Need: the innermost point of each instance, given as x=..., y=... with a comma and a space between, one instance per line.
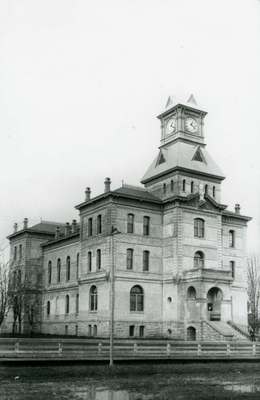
x=192, y=100
x=169, y=102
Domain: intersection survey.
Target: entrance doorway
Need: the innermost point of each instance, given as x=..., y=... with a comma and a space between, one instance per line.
x=214, y=300
x=191, y=333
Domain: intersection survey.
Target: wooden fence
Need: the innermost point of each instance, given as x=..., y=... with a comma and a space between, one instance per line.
x=94, y=349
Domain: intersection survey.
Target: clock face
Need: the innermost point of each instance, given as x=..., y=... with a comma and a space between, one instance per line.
x=191, y=125
x=171, y=126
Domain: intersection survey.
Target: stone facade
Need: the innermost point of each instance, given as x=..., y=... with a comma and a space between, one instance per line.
x=159, y=260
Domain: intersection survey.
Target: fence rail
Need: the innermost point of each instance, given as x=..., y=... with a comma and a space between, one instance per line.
x=87, y=349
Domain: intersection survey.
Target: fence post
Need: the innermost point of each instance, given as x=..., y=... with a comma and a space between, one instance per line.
x=199, y=349
x=168, y=349
x=60, y=348
x=254, y=349
x=99, y=347
x=228, y=349
x=16, y=347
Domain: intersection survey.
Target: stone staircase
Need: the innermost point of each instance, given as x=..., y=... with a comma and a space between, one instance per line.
x=228, y=331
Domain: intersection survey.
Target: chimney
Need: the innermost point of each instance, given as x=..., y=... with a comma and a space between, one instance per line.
x=25, y=223
x=107, y=184
x=67, y=229
x=87, y=194
x=15, y=227
x=74, y=226
x=57, y=233
x=237, y=208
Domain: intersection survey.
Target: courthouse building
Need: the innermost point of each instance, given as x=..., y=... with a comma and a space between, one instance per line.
x=167, y=256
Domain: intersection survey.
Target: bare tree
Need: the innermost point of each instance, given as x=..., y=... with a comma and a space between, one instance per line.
x=4, y=282
x=253, y=290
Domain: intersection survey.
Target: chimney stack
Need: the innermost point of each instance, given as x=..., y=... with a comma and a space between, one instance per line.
x=87, y=194
x=15, y=227
x=67, y=229
x=237, y=208
x=25, y=223
x=107, y=184
x=57, y=233
x=74, y=226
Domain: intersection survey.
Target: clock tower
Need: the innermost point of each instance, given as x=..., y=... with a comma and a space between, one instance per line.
x=182, y=120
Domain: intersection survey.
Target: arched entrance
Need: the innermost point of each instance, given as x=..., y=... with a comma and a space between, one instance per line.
x=191, y=333
x=214, y=300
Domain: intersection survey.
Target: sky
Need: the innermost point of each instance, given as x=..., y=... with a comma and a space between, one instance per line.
x=81, y=84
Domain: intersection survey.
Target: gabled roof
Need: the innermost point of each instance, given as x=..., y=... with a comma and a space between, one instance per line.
x=137, y=192
x=43, y=227
x=180, y=155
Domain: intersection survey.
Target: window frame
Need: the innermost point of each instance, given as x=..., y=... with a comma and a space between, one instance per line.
x=146, y=260
x=67, y=304
x=199, y=228
x=68, y=265
x=49, y=272
x=58, y=270
x=98, y=259
x=198, y=259
x=146, y=225
x=89, y=261
x=90, y=226
x=231, y=238
x=129, y=259
x=99, y=224
x=93, y=298
x=130, y=223
x=136, y=299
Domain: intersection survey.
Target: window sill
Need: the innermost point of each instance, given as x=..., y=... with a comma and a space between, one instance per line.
x=136, y=312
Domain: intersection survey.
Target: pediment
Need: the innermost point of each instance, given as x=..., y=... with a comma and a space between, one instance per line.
x=207, y=203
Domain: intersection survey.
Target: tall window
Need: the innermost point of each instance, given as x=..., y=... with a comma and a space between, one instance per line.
x=199, y=227
x=58, y=270
x=136, y=298
x=172, y=186
x=232, y=268
x=131, y=330
x=77, y=303
x=192, y=187
x=99, y=224
x=146, y=256
x=89, y=261
x=130, y=223
x=67, y=304
x=198, y=259
x=141, y=330
x=49, y=272
x=77, y=271
x=15, y=252
x=191, y=293
x=68, y=268
x=146, y=226
x=20, y=251
x=93, y=301
x=206, y=189
x=214, y=191
x=90, y=227
x=19, y=276
x=231, y=238
x=48, y=308
x=94, y=330
x=129, y=258
x=98, y=259
x=164, y=188
x=184, y=185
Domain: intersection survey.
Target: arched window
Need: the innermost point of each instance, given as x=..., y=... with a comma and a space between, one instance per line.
x=191, y=333
x=184, y=185
x=98, y=259
x=94, y=330
x=146, y=226
x=199, y=227
x=192, y=187
x=129, y=258
x=58, y=270
x=77, y=271
x=172, y=186
x=77, y=303
x=198, y=259
x=68, y=268
x=146, y=259
x=164, y=188
x=136, y=298
x=93, y=298
x=231, y=238
x=191, y=293
x=67, y=304
x=89, y=261
x=99, y=224
x=48, y=308
x=49, y=272
x=130, y=223
x=214, y=191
